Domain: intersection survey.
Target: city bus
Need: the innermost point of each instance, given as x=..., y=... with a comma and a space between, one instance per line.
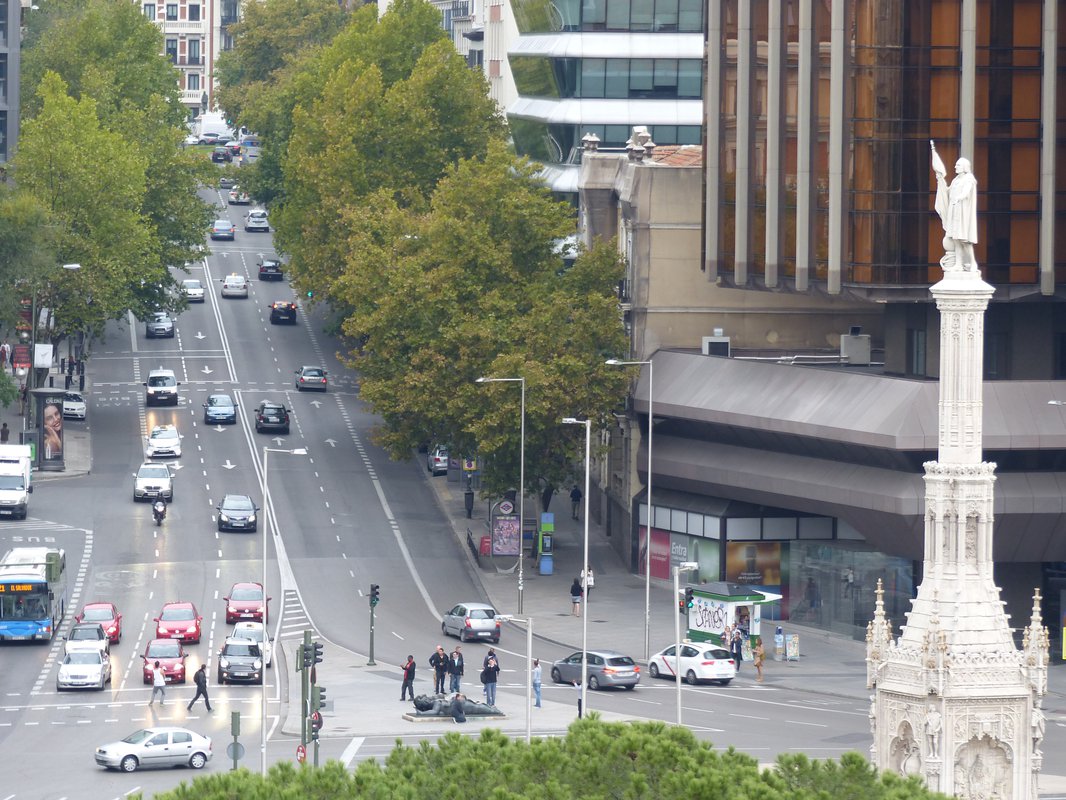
x=33, y=593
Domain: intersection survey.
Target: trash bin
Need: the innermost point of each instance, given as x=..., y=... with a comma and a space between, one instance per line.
x=486, y=546
x=468, y=502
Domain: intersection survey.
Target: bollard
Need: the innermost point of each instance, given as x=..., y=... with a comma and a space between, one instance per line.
x=81, y=367
x=81, y=382
x=66, y=381
x=50, y=384
x=62, y=365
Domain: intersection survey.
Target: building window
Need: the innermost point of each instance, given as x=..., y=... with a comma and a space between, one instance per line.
x=227, y=41
x=172, y=12
x=916, y=352
x=149, y=11
x=194, y=13
x=192, y=81
x=194, y=51
x=172, y=50
x=997, y=356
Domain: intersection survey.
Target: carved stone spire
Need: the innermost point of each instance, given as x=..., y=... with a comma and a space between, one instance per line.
x=878, y=637
x=1036, y=649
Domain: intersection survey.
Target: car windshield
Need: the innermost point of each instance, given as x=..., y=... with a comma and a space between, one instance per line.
x=252, y=632
x=72, y=397
x=83, y=657
x=192, y=284
x=247, y=593
x=236, y=502
x=164, y=650
x=621, y=661
x=220, y=401
x=160, y=316
x=97, y=615
x=88, y=632
x=154, y=471
x=481, y=613
x=137, y=737
x=161, y=380
x=177, y=614
x=234, y=649
x=166, y=433
x=11, y=482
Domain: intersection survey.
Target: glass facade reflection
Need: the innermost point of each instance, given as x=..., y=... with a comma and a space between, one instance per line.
x=550, y=16
x=667, y=78
x=561, y=144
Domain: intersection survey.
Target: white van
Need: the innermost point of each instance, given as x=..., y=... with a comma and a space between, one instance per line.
x=161, y=387
x=15, y=480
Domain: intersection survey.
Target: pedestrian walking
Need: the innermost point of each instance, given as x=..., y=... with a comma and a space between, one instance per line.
x=575, y=500
x=737, y=646
x=22, y=399
x=159, y=684
x=200, y=679
x=760, y=656
x=587, y=582
x=490, y=670
x=536, y=682
x=455, y=669
x=575, y=597
x=5, y=355
x=408, y=685
x=5, y=433
x=439, y=663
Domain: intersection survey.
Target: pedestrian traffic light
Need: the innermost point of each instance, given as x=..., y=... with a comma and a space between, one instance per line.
x=310, y=294
x=689, y=600
x=299, y=657
x=315, y=653
x=318, y=698
x=375, y=594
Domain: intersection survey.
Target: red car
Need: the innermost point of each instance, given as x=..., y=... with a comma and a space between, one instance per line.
x=178, y=621
x=107, y=615
x=171, y=658
x=245, y=602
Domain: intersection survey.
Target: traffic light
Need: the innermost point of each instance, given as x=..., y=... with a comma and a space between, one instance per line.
x=689, y=600
x=375, y=594
x=308, y=656
x=318, y=699
x=310, y=294
x=315, y=653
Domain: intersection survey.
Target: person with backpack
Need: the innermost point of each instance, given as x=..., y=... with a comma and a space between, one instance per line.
x=200, y=679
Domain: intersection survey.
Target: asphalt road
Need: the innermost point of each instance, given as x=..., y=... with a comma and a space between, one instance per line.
x=342, y=516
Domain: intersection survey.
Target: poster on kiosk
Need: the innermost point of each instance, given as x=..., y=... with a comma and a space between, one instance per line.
x=48, y=405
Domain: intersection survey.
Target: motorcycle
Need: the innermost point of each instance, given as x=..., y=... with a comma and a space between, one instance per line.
x=159, y=511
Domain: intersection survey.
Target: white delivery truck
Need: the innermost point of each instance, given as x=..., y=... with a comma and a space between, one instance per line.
x=16, y=464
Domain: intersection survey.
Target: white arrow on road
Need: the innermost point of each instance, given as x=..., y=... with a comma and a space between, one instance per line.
x=175, y=466
x=316, y=403
x=207, y=370
x=228, y=465
x=277, y=440
x=200, y=335
x=331, y=442
x=219, y=428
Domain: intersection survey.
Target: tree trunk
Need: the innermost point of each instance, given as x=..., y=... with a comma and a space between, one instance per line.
x=546, y=497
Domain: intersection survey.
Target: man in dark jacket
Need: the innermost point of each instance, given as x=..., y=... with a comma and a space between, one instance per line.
x=455, y=668
x=439, y=662
x=200, y=679
x=489, y=674
x=408, y=685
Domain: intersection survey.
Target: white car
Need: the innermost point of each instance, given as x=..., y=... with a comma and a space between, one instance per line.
x=156, y=747
x=164, y=442
x=194, y=290
x=234, y=286
x=74, y=406
x=700, y=661
x=256, y=632
x=84, y=669
x=256, y=220
x=153, y=480
x=89, y=636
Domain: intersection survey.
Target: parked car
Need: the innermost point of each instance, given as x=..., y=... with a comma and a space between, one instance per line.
x=606, y=668
x=106, y=615
x=270, y=269
x=236, y=512
x=163, y=442
x=471, y=621
x=159, y=325
x=256, y=632
x=245, y=602
x=223, y=229
x=74, y=405
x=700, y=661
x=311, y=379
x=87, y=636
x=437, y=460
x=179, y=620
x=153, y=480
x=221, y=154
x=271, y=416
x=234, y=286
x=207, y=138
x=156, y=747
x=194, y=290
x=282, y=311
x=256, y=221
x=84, y=669
x=219, y=409
x=240, y=661
x=171, y=657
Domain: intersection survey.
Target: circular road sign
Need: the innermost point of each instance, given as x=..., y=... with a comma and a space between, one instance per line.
x=235, y=751
x=506, y=507
x=301, y=753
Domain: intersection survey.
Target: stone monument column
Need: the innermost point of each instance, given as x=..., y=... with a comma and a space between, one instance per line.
x=954, y=700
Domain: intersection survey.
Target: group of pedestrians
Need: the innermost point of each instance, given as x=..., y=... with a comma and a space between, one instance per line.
x=159, y=686
x=453, y=667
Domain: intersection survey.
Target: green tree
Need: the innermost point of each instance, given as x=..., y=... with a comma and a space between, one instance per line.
x=594, y=761
x=475, y=288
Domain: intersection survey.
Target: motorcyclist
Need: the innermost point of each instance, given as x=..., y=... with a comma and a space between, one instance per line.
x=159, y=510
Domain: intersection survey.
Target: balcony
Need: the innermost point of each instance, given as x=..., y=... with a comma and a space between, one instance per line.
x=191, y=97
x=170, y=28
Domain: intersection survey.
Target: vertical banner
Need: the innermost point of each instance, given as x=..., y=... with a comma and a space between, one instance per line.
x=660, y=553
x=506, y=535
x=50, y=415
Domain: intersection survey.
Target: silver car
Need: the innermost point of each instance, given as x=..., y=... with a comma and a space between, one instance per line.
x=84, y=669
x=153, y=480
x=159, y=324
x=156, y=747
x=606, y=668
x=472, y=621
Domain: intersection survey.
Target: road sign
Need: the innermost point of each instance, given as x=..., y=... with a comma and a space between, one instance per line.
x=316, y=721
x=469, y=465
x=235, y=751
x=301, y=753
x=506, y=507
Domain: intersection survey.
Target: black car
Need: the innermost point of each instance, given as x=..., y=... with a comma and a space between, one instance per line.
x=270, y=270
x=282, y=311
x=219, y=409
x=220, y=154
x=270, y=416
x=240, y=661
x=236, y=512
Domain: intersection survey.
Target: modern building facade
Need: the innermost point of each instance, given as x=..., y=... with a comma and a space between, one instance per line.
x=797, y=461
x=10, y=46
x=601, y=67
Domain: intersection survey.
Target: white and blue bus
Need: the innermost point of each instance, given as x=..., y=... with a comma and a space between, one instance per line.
x=33, y=593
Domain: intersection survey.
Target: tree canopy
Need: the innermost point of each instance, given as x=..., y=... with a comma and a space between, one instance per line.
x=593, y=761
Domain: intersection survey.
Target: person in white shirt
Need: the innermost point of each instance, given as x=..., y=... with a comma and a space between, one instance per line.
x=536, y=681
x=588, y=582
x=159, y=684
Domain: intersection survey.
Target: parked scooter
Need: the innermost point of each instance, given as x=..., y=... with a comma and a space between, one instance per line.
x=159, y=511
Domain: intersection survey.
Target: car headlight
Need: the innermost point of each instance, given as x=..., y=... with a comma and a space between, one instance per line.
x=231, y=610
x=251, y=517
x=260, y=610
x=257, y=664
x=223, y=518
x=224, y=663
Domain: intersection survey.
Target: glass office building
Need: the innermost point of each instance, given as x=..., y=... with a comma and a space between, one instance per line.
x=602, y=67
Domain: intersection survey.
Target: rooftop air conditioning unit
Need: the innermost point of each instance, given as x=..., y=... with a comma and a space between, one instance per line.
x=717, y=345
x=855, y=347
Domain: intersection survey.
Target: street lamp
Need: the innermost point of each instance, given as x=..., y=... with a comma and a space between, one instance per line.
x=529, y=670
x=584, y=562
x=297, y=451
x=521, y=484
x=614, y=362
x=684, y=566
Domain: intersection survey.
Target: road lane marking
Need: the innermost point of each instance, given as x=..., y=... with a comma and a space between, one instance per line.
x=350, y=751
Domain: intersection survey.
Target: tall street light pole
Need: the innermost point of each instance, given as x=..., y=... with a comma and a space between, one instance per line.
x=298, y=451
x=651, y=509
x=686, y=566
x=529, y=670
x=584, y=563
x=521, y=484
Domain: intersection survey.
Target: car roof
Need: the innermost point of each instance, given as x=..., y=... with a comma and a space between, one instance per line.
x=233, y=496
x=161, y=640
x=248, y=584
x=476, y=605
x=179, y=604
x=247, y=625
x=163, y=429
x=235, y=277
x=160, y=371
x=238, y=640
x=223, y=222
x=99, y=604
x=87, y=625
x=277, y=403
x=220, y=397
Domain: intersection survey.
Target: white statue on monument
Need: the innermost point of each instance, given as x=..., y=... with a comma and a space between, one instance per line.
x=957, y=206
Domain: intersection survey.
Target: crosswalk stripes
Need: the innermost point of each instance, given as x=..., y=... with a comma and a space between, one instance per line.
x=294, y=617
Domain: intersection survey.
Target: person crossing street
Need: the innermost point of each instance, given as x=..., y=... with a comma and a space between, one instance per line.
x=200, y=679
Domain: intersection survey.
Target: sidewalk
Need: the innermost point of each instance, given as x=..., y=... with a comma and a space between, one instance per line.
x=76, y=439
